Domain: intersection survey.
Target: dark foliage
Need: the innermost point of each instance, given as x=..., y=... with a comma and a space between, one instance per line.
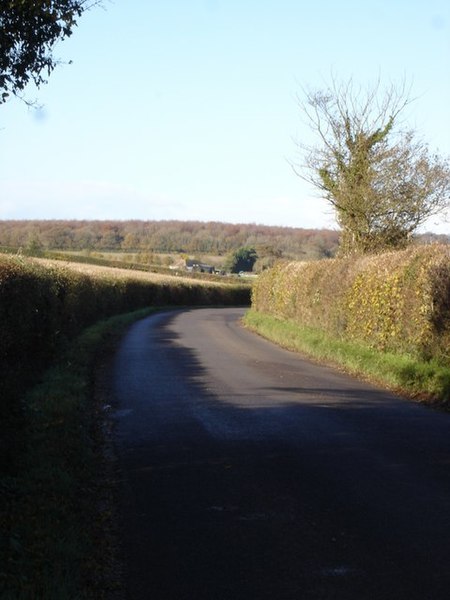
x=28, y=31
x=243, y=259
x=41, y=309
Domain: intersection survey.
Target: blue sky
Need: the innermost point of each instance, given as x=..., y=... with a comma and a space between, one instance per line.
x=186, y=109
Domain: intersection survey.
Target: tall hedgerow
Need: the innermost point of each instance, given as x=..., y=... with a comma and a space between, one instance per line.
x=43, y=307
x=397, y=301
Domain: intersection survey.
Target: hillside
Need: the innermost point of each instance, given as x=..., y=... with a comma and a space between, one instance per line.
x=189, y=237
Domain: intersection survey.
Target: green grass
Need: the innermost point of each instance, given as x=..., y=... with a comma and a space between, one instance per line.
x=425, y=381
x=49, y=552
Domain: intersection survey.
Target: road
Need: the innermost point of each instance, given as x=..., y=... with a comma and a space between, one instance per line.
x=251, y=473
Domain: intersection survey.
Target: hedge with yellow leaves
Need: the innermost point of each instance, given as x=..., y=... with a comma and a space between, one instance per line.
x=397, y=301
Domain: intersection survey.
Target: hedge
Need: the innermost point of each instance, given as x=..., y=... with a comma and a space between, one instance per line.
x=43, y=307
x=396, y=302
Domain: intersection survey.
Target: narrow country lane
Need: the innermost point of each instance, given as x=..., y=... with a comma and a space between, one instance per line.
x=251, y=473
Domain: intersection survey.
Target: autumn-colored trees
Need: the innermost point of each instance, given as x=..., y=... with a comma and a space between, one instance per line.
x=189, y=237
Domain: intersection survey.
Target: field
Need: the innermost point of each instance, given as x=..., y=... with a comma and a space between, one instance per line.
x=105, y=272
x=152, y=259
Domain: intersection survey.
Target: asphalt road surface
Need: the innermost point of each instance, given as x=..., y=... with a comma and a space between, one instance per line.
x=251, y=473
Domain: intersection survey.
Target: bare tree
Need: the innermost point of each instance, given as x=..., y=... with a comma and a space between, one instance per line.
x=380, y=179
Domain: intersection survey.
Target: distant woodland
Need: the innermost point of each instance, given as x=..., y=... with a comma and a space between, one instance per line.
x=189, y=237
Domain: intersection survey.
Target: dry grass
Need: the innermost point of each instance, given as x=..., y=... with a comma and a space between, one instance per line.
x=116, y=273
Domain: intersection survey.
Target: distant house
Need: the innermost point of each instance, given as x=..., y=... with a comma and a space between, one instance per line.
x=198, y=267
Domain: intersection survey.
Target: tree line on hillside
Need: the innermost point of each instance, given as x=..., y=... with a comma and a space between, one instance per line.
x=190, y=237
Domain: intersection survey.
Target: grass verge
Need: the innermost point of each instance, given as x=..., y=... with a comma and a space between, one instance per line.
x=424, y=381
x=52, y=512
